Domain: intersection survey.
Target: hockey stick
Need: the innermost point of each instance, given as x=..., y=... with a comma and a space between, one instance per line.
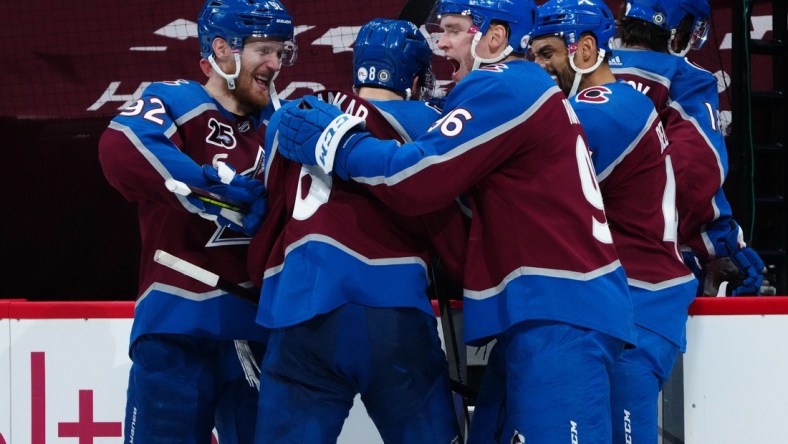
x=230, y=209
x=416, y=11
x=183, y=189
x=206, y=277
x=452, y=350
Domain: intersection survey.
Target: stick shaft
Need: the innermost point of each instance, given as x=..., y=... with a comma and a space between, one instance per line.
x=416, y=11
x=206, y=277
x=183, y=189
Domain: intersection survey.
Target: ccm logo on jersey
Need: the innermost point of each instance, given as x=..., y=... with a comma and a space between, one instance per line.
x=595, y=94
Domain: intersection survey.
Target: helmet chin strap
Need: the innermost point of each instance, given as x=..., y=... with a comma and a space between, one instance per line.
x=579, y=72
x=230, y=78
x=477, y=61
x=681, y=53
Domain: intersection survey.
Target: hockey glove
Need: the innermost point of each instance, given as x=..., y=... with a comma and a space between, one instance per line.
x=312, y=131
x=254, y=218
x=250, y=193
x=747, y=277
x=232, y=200
x=224, y=181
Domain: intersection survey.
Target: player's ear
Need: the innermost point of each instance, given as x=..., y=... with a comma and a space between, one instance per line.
x=498, y=38
x=587, y=49
x=220, y=48
x=415, y=89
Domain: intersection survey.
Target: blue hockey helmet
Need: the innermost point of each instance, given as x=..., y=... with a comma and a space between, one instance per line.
x=668, y=14
x=390, y=54
x=236, y=20
x=569, y=19
x=517, y=14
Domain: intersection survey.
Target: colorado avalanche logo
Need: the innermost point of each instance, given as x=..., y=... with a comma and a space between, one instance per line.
x=495, y=67
x=595, y=94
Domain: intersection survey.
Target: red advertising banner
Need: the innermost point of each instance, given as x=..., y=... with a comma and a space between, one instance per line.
x=88, y=58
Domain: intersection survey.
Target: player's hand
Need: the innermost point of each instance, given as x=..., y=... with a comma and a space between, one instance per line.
x=749, y=267
x=752, y=268
x=243, y=221
x=311, y=131
x=232, y=200
x=254, y=218
x=224, y=181
x=720, y=277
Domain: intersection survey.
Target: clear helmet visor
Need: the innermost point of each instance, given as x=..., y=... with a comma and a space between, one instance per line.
x=290, y=53
x=700, y=30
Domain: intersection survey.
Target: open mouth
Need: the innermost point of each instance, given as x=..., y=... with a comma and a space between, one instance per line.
x=262, y=81
x=455, y=64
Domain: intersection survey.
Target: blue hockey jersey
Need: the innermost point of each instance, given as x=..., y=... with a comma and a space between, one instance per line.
x=687, y=101
x=170, y=132
x=635, y=174
x=539, y=245
x=326, y=243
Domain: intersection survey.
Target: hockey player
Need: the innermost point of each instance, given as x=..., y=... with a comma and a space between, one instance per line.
x=542, y=275
x=345, y=289
x=193, y=348
x=656, y=34
x=571, y=40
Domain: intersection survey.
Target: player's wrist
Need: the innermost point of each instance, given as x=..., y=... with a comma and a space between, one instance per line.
x=348, y=144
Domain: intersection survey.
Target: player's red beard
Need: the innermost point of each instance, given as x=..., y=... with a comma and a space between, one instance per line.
x=249, y=92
